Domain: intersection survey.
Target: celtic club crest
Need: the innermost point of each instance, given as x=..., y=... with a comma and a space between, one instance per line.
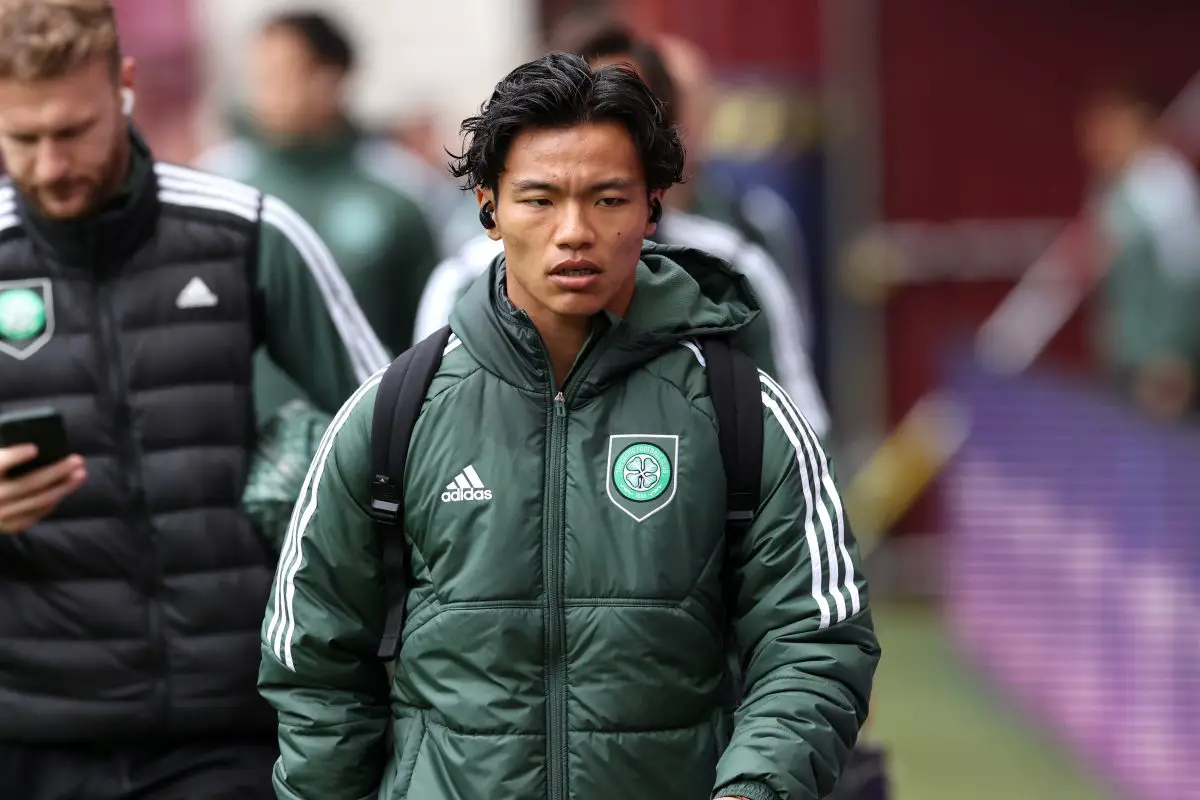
x=26, y=316
x=641, y=474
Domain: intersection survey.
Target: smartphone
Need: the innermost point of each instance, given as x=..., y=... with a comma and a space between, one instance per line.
x=40, y=426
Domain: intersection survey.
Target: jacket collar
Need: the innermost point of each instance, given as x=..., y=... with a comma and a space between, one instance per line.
x=681, y=293
x=112, y=233
x=334, y=149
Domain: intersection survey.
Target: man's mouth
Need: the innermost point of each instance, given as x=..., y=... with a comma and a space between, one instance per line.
x=577, y=268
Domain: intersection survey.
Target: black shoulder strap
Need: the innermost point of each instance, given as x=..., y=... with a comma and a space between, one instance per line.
x=398, y=402
x=737, y=401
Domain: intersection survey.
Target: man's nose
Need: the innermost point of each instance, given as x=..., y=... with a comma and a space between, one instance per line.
x=575, y=231
x=52, y=163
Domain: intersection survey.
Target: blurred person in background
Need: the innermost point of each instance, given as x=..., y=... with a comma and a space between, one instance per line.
x=1145, y=205
x=774, y=340
x=759, y=213
x=132, y=296
x=361, y=193
x=566, y=631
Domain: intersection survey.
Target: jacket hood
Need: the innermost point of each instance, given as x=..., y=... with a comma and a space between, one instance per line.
x=681, y=293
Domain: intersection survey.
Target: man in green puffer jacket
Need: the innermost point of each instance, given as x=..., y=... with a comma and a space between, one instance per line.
x=564, y=636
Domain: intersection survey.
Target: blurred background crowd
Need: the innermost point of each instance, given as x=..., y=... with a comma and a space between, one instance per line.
x=990, y=212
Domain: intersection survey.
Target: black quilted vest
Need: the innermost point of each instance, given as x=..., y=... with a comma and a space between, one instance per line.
x=133, y=611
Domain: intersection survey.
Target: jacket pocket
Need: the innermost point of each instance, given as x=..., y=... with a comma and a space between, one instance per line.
x=413, y=738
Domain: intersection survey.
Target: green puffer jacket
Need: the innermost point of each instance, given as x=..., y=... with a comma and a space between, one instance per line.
x=564, y=637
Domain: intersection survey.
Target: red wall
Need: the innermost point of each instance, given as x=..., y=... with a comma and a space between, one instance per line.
x=978, y=100
x=978, y=95
x=741, y=34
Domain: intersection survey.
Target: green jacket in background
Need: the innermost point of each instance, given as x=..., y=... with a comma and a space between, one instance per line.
x=565, y=633
x=355, y=192
x=1150, y=219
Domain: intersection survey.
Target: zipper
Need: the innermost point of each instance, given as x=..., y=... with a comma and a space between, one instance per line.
x=129, y=459
x=554, y=563
x=553, y=569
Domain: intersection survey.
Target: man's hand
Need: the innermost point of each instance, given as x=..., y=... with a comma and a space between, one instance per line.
x=26, y=500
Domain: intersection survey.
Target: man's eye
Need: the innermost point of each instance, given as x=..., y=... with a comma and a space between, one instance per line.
x=540, y=202
x=612, y=202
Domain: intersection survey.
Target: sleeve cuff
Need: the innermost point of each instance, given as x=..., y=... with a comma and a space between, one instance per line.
x=751, y=791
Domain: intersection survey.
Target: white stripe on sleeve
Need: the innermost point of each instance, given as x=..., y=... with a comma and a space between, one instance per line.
x=283, y=621
x=810, y=533
x=367, y=353
x=824, y=488
x=192, y=187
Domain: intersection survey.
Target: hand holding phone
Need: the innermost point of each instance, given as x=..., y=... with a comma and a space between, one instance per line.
x=35, y=471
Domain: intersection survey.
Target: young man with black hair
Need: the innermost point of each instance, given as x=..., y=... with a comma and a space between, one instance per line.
x=372, y=203
x=570, y=580
x=776, y=340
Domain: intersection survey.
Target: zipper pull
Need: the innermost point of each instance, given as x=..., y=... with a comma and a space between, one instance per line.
x=560, y=405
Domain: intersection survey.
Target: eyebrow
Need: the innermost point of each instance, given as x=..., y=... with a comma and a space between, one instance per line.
x=59, y=130
x=528, y=185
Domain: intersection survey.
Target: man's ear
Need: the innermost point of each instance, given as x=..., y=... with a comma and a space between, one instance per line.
x=126, y=78
x=487, y=212
x=656, y=211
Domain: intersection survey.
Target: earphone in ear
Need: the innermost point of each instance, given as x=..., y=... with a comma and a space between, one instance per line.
x=128, y=100
x=487, y=216
x=656, y=211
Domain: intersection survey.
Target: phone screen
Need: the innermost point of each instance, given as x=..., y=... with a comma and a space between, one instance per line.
x=42, y=427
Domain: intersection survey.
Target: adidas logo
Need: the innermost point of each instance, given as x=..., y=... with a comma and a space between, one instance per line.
x=196, y=295
x=466, y=486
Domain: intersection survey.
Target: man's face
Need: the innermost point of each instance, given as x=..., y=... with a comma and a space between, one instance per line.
x=572, y=212
x=1110, y=136
x=63, y=139
x=291, y=93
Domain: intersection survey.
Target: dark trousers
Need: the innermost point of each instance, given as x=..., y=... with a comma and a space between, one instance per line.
x=865, y=776
x=229, y=770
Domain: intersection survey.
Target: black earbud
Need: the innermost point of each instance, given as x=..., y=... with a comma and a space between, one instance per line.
x=655, y=211
x=486, y=216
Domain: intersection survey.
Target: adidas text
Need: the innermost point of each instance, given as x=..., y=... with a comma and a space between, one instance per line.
x=459, y=495
x=467, y=485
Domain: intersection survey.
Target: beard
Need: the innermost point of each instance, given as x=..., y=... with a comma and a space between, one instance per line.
x=78, y=196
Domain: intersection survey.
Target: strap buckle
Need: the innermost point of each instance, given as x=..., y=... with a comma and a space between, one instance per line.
x=385, y=501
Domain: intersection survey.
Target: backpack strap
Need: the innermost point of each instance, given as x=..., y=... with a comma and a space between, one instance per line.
x=737, y=401
x=736, y=395
x=398, y=403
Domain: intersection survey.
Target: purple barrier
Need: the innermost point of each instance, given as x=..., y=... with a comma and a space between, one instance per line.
x=1073, y=573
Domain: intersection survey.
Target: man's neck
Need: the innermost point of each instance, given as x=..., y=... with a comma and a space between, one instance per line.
x=317, y=133
x=122, y=166
x=564, y=337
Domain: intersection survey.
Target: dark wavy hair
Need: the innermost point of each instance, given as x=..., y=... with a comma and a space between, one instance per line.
x=560, y=90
